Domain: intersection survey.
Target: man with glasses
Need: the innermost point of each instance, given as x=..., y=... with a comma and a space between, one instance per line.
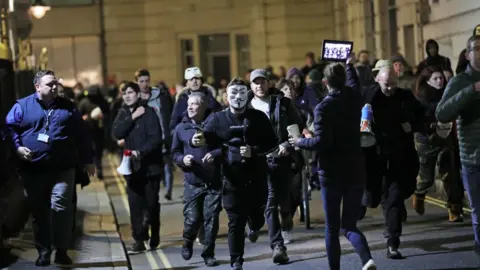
x=51, y=140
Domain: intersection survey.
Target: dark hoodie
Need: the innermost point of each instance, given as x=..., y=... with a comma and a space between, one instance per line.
x=437, y=60
x=306, y=97
x=429, y=98
x=181, y=106
x=199, y=173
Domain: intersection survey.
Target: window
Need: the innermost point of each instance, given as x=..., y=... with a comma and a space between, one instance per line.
x=66, y=56
x=186, y=46
x=243, y=54
x=68, y=2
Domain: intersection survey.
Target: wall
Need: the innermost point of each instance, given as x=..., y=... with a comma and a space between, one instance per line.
x=146, y=33
x=68, y=21
x=451, y=24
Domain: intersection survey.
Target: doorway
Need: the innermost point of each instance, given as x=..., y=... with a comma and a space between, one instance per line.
x=220, y=68
x=215, y=57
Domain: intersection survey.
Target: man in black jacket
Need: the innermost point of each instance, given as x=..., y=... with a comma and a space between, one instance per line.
x=139, y=127
x=202, y=180
x=397, y=115
x=246, y=135
x=281, y=113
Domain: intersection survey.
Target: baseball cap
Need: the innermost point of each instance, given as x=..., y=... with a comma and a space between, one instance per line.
x=192, y=72
x=258, y=73
x=382, y=63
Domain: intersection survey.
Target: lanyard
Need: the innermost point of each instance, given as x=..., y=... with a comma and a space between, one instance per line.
x=47, y=122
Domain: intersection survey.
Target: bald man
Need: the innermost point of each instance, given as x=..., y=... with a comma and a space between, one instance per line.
x=397, y=115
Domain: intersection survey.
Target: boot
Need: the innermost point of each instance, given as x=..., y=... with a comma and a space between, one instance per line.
x=455, y=213
x=419, y=204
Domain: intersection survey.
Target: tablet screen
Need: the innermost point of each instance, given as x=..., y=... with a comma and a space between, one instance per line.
x=336, y=50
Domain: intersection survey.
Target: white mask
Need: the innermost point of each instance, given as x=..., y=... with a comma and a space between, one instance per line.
x=237, y=96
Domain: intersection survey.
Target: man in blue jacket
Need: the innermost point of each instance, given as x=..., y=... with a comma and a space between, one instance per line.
x=51, y=139
x=202, y=180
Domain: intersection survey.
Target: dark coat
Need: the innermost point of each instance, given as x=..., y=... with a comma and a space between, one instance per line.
x=199, y=173
x=143, y=135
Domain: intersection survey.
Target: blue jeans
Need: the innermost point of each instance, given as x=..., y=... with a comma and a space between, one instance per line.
x=332, y=196
x=471, y=182
x=168, y=173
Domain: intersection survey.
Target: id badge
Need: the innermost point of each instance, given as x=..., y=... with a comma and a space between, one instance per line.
x=42, y=137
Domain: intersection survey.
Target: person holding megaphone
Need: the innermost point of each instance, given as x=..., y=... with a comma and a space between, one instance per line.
x=140, y=129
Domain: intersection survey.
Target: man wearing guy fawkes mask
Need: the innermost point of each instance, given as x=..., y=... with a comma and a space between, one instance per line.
x=245, y=136
x=281, y=113
x=397, y=115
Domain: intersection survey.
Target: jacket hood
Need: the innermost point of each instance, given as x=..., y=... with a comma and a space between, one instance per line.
x=155, y=92
x=294, y=71
x=431, y=42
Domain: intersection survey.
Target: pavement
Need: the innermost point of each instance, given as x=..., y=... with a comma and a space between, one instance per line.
x=428, y=241
x=97, y=243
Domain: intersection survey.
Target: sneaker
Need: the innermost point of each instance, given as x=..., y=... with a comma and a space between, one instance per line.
x=168, y=197
x=154, y=242
x=187, y=250
x=237, y=266
x=394, y=254
x=137, y=248
x=287, y=237
x=211, y=262
x=370, y=265
x=252, y=236
x=280, y=255
x=62, y=258
x=199, y=242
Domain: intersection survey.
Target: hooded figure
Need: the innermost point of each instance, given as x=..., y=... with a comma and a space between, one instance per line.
x=94, y=109
x=434, y=58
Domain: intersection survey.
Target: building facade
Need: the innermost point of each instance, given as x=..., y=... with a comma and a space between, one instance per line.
x=223, y=37
x=451, y=23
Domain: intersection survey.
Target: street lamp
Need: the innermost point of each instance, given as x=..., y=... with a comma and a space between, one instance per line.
x=39, y=9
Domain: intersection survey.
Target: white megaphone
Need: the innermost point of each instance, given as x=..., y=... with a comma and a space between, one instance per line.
x=367, y=137
x=125, y=168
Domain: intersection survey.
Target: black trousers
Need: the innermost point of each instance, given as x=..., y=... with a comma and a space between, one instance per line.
x=144, y=203
x=202, y=205
x=399, y=184
x=279, y=197
x=243, y=203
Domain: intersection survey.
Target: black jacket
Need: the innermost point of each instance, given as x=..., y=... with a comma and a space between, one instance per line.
x=144, y=135
x=231, y=131
x=199, y=173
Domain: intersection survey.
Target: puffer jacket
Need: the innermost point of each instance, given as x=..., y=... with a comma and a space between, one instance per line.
x=459, y=103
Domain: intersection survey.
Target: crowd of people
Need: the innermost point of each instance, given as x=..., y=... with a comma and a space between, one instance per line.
x=238, y=151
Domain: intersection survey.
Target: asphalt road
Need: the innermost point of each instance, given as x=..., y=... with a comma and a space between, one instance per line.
x=428, y=242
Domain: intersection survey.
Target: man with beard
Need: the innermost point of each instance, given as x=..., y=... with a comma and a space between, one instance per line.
x=281, y=114
x=246, y=136
x=397, y=115
x=194, y=79
x=202, y=181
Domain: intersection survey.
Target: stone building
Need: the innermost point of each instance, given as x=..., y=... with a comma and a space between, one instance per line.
x=223, y=37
